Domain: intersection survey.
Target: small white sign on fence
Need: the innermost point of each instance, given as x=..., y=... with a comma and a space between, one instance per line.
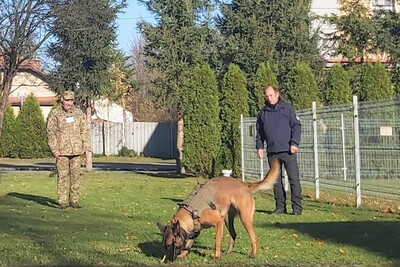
x=386, y=131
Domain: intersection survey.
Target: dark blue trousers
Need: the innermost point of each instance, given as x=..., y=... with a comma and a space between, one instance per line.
x=289, y=161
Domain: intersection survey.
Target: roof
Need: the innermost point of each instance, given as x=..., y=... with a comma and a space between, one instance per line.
x=32, y=66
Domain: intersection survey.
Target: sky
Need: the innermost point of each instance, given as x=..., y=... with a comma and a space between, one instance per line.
x=127, y=31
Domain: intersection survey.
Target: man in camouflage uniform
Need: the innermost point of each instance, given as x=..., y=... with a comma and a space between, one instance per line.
x=69, y=138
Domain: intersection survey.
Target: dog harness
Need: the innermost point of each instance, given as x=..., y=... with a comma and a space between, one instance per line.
x=198, y=200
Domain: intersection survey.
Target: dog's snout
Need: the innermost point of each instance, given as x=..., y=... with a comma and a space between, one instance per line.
x=172, y=253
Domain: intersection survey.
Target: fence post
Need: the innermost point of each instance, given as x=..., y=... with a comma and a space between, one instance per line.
x=242, y=143
x=171, y=138
x=107, y=138
x=357, y=151
x=103, y=138
x=285, y=178
x=316, y=163
x=344, y=148
x=261, y=168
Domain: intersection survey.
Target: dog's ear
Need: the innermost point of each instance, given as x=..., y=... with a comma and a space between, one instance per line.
x=176, y=227
x=161, y=227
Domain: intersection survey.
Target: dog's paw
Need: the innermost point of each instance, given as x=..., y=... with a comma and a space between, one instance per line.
x=217, y=256
x=183, y=254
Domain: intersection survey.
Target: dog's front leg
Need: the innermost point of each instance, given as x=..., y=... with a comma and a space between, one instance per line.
x=215, y=219
x=219, y=232
x=186, y=251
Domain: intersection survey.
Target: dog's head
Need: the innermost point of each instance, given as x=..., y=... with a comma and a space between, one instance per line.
x=173, y=239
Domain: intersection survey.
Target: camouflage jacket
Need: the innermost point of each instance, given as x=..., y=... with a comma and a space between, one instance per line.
x=68, y=131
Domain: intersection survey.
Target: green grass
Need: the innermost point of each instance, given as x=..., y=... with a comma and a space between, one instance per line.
x=117, y=226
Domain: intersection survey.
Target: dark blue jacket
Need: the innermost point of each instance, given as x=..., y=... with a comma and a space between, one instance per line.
x=279, y=127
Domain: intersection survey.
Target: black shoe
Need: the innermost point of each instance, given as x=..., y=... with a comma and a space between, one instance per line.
x=279, y=211
x=295, y=213
x=75, y=205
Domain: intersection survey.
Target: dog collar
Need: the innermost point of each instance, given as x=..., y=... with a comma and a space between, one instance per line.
x=188, y=236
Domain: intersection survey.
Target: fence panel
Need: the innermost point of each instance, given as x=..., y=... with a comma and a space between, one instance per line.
x=380, y=147
x=150, y=139
x=379, y=131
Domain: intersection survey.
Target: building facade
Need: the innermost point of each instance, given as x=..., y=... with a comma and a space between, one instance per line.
x=333, y=7
x=31, y=79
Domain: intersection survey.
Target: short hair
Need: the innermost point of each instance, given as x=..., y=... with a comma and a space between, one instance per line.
x=276, y=89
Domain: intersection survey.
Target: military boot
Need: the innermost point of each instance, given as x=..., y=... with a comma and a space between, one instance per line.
x=75, y=205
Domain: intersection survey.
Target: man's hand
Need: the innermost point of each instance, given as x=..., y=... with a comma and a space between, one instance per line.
x=260, y=153
x=293, y=149
x=85, y=152
x=56, y=154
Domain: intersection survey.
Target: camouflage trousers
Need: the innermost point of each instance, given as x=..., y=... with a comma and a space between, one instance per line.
x=69, y=174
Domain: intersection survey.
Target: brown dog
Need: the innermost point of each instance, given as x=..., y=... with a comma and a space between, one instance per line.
x=227, y=197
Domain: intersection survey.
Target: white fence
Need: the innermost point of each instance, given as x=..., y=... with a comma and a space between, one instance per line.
x=149, y=139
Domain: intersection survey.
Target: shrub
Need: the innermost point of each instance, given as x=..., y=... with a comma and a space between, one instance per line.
x=375, y=83
x=126, y=152
x=301, y=88
x=337, y=86
x=32, y=135
x=233, y=103
x=9, y=136
x=396, y=80
x=264, y=77
x=354, y=72
x=202, y=126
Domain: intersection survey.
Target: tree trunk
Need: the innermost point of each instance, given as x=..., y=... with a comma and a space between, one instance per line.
x=5, y=89
x=179, y=146
x=89, y=160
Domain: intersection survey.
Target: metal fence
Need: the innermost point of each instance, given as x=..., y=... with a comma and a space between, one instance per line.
x=348, y=147
x=149, y=139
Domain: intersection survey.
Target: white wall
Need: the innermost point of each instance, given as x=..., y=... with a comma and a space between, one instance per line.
x=321, y=8
x=25, y=83
x=325, y=7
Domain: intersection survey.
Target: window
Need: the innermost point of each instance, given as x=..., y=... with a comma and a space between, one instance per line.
x=388, y=5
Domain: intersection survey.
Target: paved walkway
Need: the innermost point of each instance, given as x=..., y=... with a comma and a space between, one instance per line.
x=8, y=166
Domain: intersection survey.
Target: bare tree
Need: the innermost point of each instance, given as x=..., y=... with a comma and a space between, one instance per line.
x=24, y=27
x=140, y=78
x=142, y=97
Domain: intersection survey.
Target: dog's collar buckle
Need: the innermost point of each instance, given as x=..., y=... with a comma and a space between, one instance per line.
x=187, y=235
x=193, y=235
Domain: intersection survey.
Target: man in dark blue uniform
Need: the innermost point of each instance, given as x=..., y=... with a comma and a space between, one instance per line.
x=279, y=127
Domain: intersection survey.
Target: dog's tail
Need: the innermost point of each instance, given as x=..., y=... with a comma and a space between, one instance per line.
x=269, y=180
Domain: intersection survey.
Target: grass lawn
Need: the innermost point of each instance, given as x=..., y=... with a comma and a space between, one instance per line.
x=117, y=226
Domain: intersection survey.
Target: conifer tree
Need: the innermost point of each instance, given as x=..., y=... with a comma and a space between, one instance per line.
x=301, y=87
x=355, y=34
x=396, y=81
x=375, y=83
x=274, y=31
x=180, y=39
x=264, y=77
x=387, y=25
x=337, y=88
x=84, y=50
x=32, y=130
x=83, y=47
x=233, y=103
x=202, y=125
x=9, y=137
